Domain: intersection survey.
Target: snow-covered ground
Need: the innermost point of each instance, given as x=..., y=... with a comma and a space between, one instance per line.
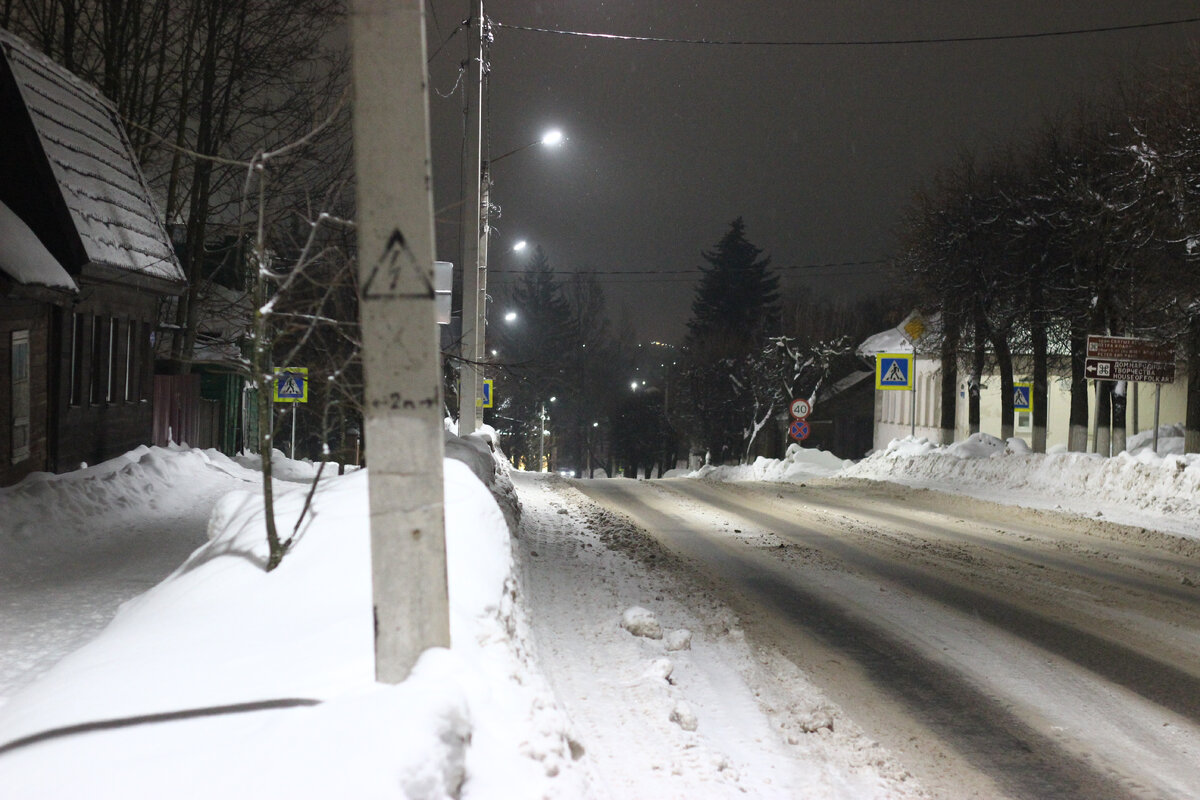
x=225, y=680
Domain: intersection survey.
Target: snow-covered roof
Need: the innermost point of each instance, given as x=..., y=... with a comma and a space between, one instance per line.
x=893, y=340
x=846, y=383
x=25, y=259
x=92, y=160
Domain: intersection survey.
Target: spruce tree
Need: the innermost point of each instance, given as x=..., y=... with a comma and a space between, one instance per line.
x=737, y=294
x=733, y=315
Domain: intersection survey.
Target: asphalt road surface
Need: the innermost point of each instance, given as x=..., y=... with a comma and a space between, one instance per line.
x=996, y=651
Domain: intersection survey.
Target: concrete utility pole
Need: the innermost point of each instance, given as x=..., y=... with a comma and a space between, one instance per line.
x=474, y=234
x=401, y=362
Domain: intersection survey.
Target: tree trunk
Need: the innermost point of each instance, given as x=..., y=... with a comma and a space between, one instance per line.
x=1103, y=441
x=949, y=387
x=1078, y=431
x=1119, y=391
x=976, y=381
x=1191, y=435
x=1004, y=363
x=1041, y=369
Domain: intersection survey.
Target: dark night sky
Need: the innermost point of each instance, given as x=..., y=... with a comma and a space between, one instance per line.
x=819, y=149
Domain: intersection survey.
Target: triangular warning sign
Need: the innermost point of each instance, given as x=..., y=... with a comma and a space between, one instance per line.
x=895, y=374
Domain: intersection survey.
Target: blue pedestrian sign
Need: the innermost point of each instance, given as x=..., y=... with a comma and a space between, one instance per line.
x=894, y=371
x=1022, y=397
x=488, y=399
x=291, y=385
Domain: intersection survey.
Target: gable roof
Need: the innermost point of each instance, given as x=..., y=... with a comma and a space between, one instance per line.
x=25, y=259
x=92, y=160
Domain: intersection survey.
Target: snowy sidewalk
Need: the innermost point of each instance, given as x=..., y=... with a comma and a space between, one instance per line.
x=74, y=547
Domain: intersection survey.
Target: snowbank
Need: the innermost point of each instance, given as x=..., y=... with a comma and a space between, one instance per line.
x=49, y=511
x=225, y=680
x=797, y=464
x=1137, y=487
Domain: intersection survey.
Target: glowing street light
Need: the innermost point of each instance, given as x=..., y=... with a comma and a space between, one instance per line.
x=510, y=317
x=475, y=231
x=519, y=246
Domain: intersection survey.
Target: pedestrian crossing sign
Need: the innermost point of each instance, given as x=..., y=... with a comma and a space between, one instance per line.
x=1023, y=397
x=894, y=371
x=291, y=384
x=487, y=399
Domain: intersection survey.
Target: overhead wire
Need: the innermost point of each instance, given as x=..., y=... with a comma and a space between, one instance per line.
x=665, y=275
x=997, y=37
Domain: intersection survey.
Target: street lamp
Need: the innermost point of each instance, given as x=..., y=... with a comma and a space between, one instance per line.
x=542, y=438
x=510, y=317
x=475, y=232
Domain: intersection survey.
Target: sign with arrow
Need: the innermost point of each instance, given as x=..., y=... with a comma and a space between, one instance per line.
x=1124, y=358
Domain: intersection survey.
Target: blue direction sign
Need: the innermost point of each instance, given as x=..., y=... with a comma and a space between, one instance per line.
x=1022, y=397
x=291, y=384
x=894, y=371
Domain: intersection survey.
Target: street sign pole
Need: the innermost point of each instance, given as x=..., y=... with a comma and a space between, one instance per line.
x=401, y=362
x=913, y=433
x=1157, y=398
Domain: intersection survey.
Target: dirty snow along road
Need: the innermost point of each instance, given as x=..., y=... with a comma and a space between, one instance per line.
x=995, y=651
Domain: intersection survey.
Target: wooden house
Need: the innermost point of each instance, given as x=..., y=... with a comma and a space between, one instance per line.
x=85, y=262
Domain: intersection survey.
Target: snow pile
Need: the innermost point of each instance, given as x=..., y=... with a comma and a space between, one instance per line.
x=481, y=452
x=798, y=463
x=641, y=622
x=1137, y=488
x=47, y=511
x=226, y=680
x=282, y=467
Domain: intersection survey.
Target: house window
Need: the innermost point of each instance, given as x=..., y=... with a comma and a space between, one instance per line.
x=76, y=396
x=147, y=361
x=110, y=367
x=130, y=361
x=96, y=382
x=1024, y=421
x=20, y=396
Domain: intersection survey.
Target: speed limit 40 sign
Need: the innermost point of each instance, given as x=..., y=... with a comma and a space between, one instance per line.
x=800, y=408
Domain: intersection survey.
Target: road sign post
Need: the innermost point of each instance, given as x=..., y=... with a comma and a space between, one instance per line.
x=894, y=372
x=1023, y=397
x=1133, y=360
x=800, y=408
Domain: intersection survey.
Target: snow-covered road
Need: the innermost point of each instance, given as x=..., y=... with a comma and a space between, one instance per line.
x=689, y=710
x=996, y=651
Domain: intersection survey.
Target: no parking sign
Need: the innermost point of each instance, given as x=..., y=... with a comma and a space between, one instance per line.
x=799, y=430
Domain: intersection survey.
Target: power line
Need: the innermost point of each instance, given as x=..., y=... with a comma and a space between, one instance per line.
x=635, y=277
x=692, y=271
x=999, y=37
